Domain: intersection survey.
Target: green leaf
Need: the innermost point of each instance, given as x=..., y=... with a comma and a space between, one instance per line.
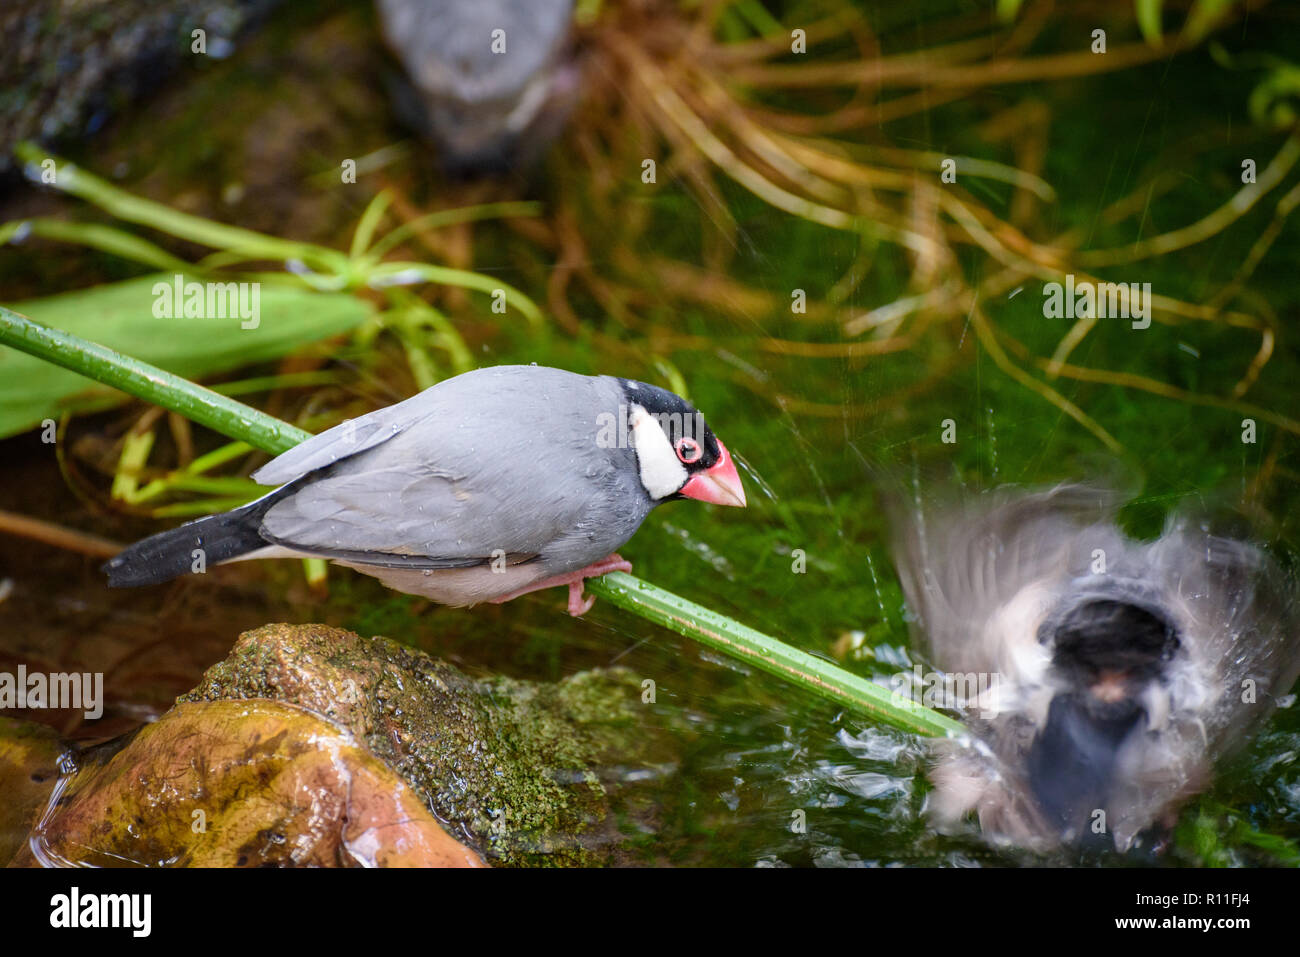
x=1204, y=16
x=1275, y=101
x=121, y=317
x=1009, y=9
x=756, y=16
x=1148, y=19
x=206, y=232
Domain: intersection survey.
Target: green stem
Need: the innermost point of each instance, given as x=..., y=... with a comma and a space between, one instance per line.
x=242, y=422
x=135, y=209
x=769, y=654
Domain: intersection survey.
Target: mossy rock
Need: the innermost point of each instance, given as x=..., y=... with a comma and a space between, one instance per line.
x=30, y=755
x=527, y=773
x=238, y=784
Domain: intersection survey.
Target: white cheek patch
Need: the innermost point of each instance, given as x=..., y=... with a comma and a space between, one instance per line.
x=661, y=473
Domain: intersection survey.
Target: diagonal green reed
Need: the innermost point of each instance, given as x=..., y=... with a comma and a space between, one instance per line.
x=244, y=423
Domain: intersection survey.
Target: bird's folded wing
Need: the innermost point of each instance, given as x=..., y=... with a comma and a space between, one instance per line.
x=497, y=463
x=343, y=441
x=388, y=508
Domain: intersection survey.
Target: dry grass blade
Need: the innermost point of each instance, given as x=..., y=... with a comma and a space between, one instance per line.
x=717, y=113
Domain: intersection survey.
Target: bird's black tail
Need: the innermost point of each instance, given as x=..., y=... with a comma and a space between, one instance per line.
x=192, y=547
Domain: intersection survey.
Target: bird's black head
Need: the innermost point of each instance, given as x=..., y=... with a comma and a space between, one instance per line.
x=677, y=453
x=1105, y=653
x=688, y=434
x=1100, y=641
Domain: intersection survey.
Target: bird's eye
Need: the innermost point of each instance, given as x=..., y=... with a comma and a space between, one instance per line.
x=688, y=450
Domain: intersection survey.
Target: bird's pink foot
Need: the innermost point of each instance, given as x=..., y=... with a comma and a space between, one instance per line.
x=578, y=605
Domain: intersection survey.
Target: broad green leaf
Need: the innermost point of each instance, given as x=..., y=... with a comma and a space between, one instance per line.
x=121, y=316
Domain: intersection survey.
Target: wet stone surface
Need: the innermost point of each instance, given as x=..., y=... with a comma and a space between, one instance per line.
x=527, y=772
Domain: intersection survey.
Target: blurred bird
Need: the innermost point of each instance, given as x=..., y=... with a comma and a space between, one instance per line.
x=493, y=83
x=1122, y=670
x=484, y=487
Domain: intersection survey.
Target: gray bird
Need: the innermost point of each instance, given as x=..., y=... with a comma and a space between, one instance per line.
x=486, y=486
x=1104, y=677
x=493, y=84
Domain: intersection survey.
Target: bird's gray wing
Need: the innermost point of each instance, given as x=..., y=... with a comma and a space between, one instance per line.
x=1239, y=652
x=978, y=574
x=346, y=439
x=500, y=463
x=1236, y=608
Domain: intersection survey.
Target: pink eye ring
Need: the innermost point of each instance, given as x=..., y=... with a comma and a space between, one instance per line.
x=688, y=450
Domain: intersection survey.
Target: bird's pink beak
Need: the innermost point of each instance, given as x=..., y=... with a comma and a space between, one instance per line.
x=718, y=484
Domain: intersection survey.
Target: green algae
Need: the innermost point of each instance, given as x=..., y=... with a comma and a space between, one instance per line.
x=525, y=771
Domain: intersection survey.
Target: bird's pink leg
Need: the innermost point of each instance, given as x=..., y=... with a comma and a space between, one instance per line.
x=578, y=605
